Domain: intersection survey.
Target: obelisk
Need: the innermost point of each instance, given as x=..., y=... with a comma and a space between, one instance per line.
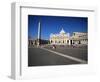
x=39, y=34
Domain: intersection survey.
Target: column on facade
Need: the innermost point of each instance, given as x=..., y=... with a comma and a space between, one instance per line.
x=69, y=42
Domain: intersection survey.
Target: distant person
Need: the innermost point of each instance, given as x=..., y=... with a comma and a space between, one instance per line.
x=74, y=45
x=54, y=47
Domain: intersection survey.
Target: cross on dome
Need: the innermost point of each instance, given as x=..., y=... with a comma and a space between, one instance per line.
x=62, y=31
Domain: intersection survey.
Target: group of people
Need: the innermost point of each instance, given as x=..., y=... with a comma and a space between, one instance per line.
x=73, y=46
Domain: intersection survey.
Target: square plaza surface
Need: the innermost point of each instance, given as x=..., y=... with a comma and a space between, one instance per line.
x=44, y=56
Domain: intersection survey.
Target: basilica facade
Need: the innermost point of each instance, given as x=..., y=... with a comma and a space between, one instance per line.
x=64, y=38
x=60, y=39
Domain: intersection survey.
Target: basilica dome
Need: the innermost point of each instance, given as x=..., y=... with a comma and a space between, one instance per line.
x=62, y=31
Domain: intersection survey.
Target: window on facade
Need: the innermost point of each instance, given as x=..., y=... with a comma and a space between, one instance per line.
x=63, y=41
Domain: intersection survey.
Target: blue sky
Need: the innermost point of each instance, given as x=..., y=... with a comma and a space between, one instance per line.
x=54, y=24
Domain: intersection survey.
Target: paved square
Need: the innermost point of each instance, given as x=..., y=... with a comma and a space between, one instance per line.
x=80, y=51
x=42, y=57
